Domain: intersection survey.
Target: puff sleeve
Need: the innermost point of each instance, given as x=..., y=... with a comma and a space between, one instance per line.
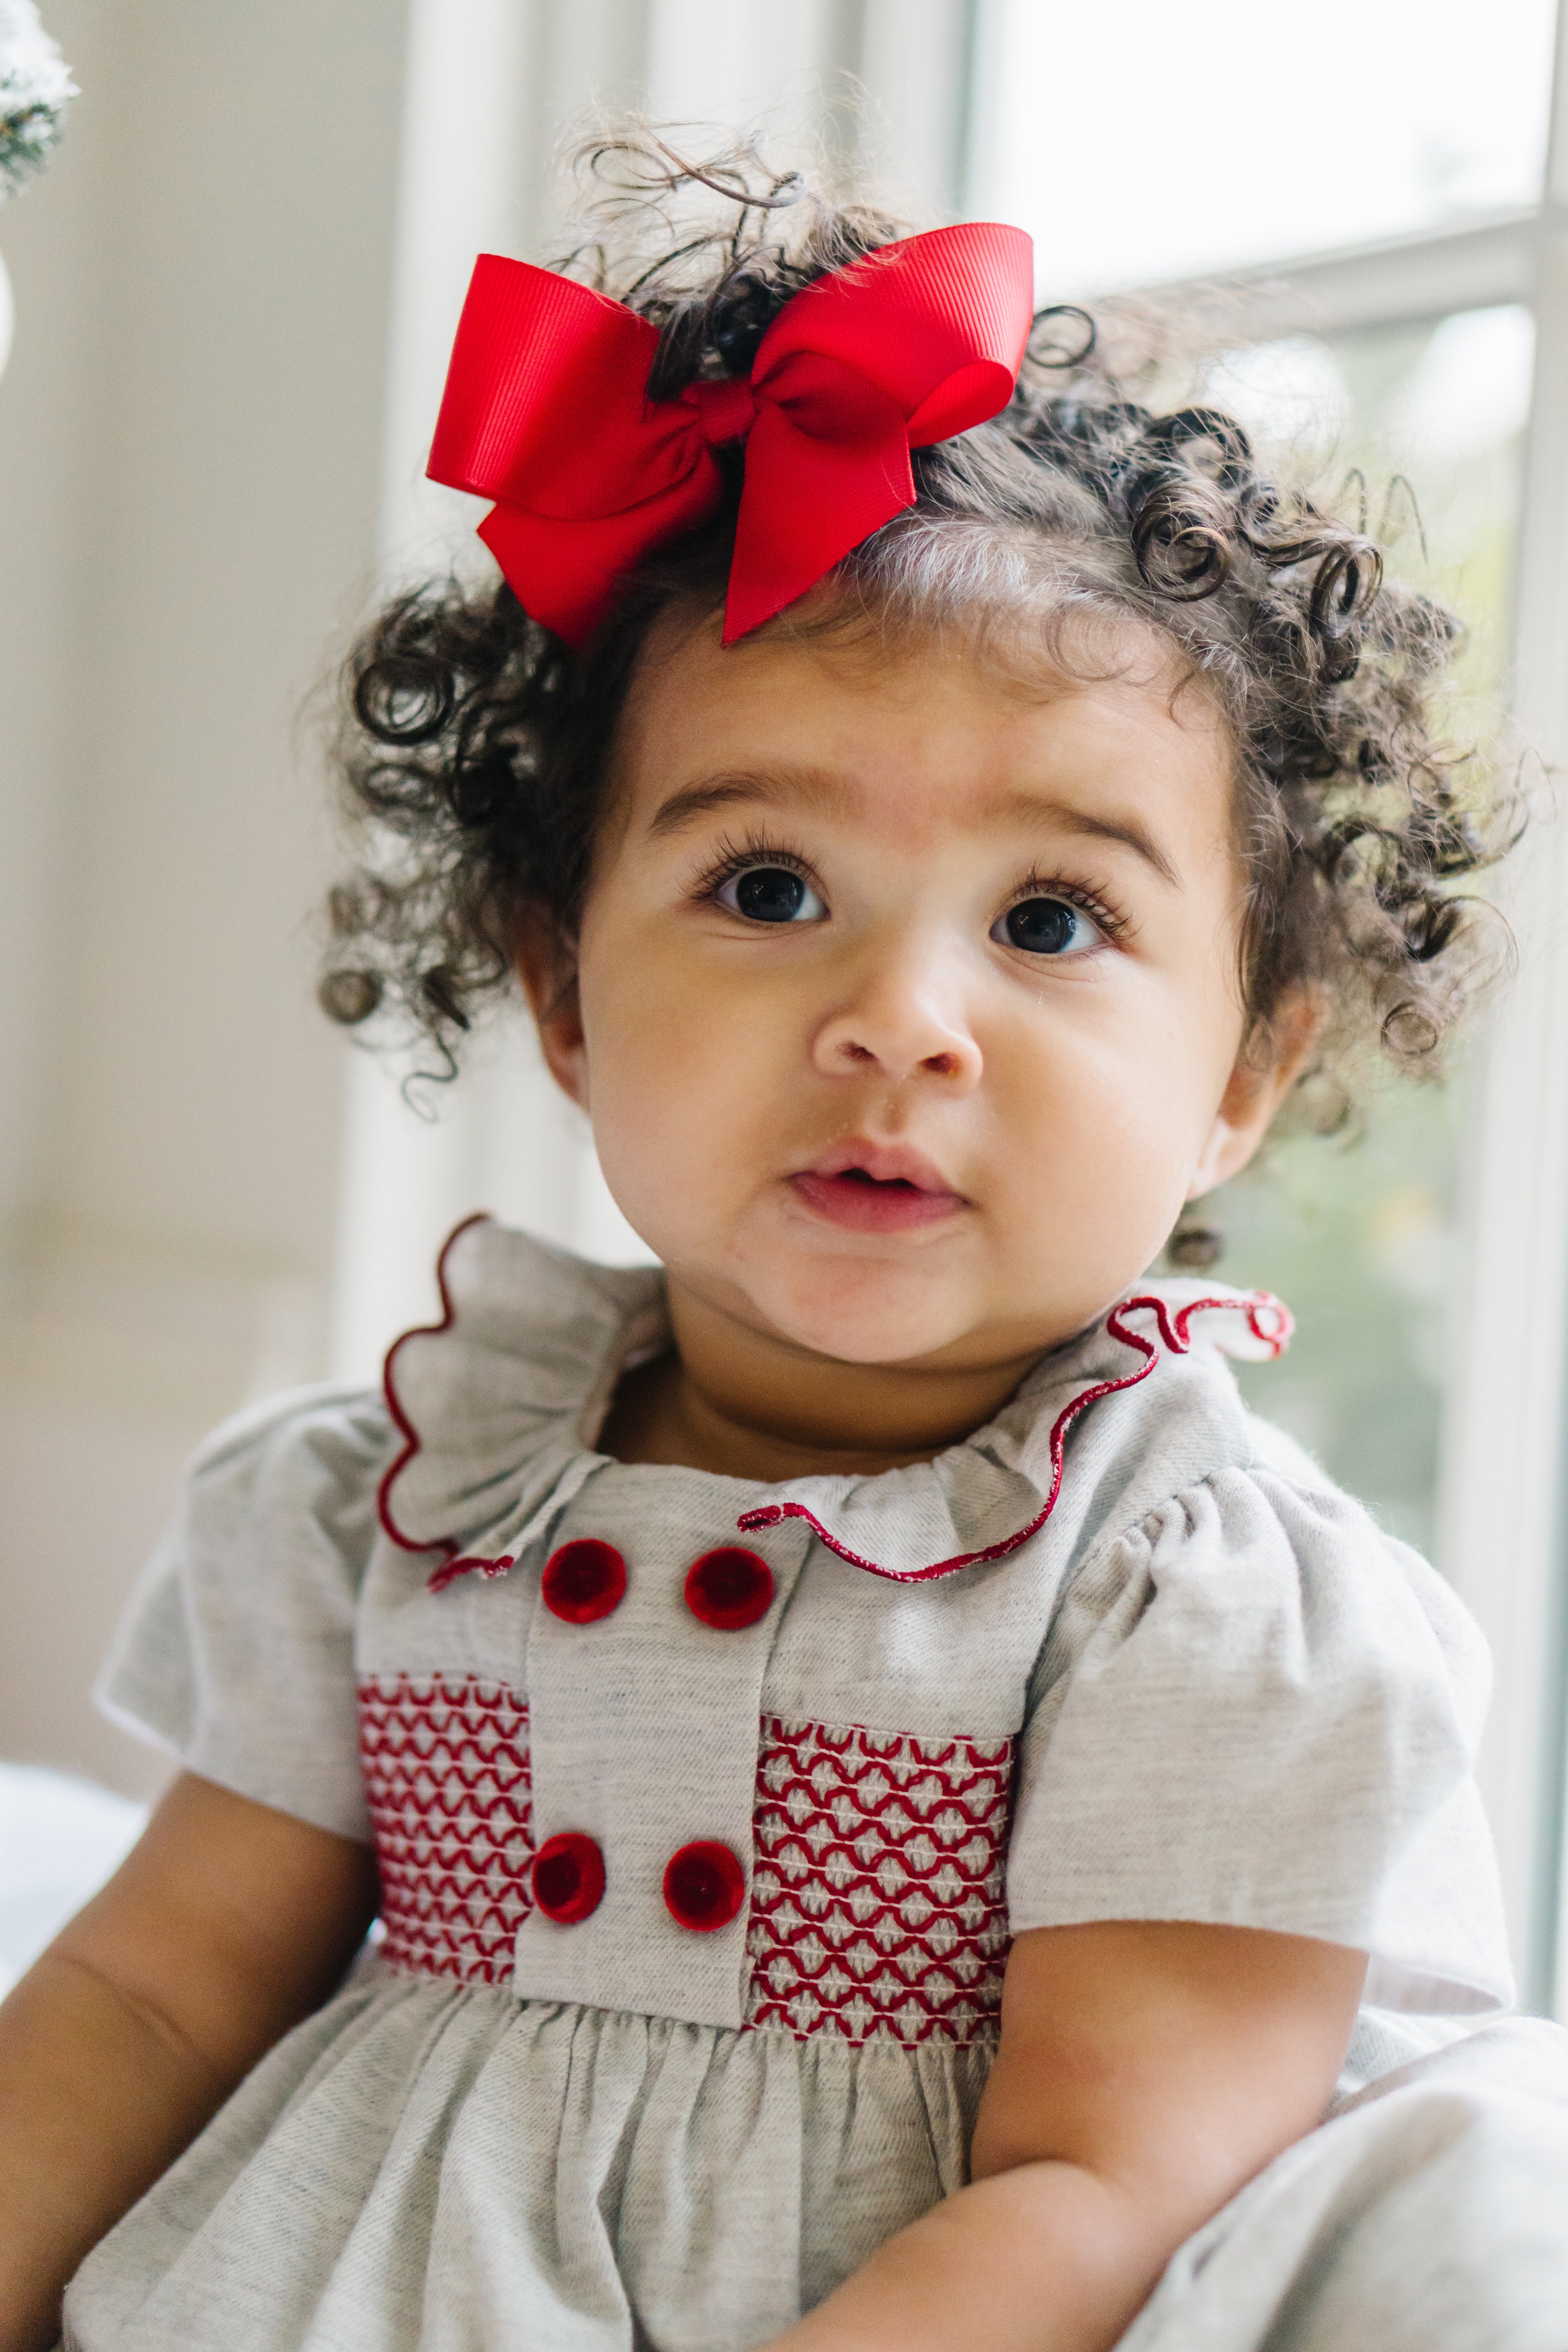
x=1255, y=1710
x=236, y=1651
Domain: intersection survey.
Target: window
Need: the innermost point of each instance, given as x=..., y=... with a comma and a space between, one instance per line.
x=1382, y=198
x=1361, y=1235
x=1176, y=145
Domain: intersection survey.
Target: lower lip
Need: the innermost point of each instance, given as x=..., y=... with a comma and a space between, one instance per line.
x=873, y=1208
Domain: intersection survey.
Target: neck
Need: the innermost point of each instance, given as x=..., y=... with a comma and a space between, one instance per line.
x=750, y=1405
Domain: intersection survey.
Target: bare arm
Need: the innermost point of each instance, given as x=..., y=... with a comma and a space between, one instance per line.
x=1146, y=2070
x=227, y=1924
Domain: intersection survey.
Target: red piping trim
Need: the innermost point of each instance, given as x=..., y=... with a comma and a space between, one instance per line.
x=440, y=1577
x=406, y=1429
x=1175, y=1332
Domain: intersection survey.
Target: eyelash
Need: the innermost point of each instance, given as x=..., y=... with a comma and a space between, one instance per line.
x=734, y=856
x=1093, y=902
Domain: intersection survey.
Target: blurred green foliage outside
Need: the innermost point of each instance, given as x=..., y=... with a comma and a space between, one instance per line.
x=1359, y=1234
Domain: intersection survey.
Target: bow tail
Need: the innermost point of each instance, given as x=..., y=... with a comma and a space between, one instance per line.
x=808, y=499
x=569, y=572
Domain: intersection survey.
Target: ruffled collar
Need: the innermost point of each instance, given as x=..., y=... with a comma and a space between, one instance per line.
x=500, y=1403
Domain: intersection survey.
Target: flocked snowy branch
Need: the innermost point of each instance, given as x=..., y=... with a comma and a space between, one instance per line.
x=35, y=88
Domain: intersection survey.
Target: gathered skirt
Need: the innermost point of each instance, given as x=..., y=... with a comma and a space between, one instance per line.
x=425, y=2167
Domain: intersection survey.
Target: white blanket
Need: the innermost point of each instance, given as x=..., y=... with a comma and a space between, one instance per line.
x=59, y=1840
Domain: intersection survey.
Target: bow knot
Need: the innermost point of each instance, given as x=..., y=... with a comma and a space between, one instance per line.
x=725, y=407
x=546, y=412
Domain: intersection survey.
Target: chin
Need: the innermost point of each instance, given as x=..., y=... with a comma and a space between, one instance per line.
x=860, y=1315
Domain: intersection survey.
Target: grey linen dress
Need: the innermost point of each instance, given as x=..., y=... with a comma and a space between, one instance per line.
x=795, y=1761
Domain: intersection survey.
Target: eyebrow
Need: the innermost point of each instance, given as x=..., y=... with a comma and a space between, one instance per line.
x=813, y=788
x=1127, y=830
x=809, y=788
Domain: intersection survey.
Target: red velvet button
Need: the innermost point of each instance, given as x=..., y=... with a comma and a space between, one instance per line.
x=583, y=1580
x=729, y=1588
x=568, y=1878
x=704, y=1886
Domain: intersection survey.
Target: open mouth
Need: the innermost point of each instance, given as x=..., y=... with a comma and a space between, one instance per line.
x=870, y=1203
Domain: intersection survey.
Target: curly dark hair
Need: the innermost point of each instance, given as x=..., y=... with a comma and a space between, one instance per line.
x=476, y=744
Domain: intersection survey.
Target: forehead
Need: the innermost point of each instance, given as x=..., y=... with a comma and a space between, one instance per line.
x=913, y=731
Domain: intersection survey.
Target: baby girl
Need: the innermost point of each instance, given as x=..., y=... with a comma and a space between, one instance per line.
x=901, y=1814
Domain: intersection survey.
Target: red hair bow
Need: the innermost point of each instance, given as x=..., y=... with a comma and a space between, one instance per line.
x=546, y=412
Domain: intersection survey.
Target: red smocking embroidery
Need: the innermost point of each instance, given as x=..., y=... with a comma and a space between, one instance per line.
x=447, y=1773
x=1269, y=1319
x=877, y=1886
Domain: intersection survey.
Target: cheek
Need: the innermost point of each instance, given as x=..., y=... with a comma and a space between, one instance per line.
x=1109, y=1117
x=683, y=1082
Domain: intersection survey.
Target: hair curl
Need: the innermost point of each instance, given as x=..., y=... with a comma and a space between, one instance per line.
x=476, y=744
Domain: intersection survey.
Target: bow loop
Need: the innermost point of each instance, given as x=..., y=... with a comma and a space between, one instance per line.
x=536, y=354
x=546, y=412
x=970, y=393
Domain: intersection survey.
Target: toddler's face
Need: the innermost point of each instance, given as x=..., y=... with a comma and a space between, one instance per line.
x=907, y=1009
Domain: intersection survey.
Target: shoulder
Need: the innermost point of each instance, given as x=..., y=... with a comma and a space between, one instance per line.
x=1146, y=1406
x=1179, y=1506
x=327, y=1419
x=1171, y=1458
x=1271, y=1610
x=475, y=1409
x=318, y=1452
x=235, y=1652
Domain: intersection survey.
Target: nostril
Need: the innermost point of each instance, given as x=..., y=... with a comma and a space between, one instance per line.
x=853, y=1053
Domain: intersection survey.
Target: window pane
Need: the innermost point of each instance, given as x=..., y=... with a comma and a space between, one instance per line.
x=1148, y=143
x=1359, y=1237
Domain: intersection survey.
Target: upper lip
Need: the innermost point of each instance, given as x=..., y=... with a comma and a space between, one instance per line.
x=890, y=1163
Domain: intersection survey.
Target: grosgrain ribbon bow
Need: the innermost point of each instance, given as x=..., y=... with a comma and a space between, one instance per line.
x=546, y=412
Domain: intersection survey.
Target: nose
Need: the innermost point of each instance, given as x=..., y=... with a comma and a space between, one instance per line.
x=903, y=1021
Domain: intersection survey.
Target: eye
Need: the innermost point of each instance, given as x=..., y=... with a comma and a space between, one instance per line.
x=771, y=894
x=1047, y=927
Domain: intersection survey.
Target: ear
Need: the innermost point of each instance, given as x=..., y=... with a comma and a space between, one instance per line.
x=547, y=968
x=1257, y=1085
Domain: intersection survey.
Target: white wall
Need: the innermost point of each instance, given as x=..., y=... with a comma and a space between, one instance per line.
x=190, y=453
